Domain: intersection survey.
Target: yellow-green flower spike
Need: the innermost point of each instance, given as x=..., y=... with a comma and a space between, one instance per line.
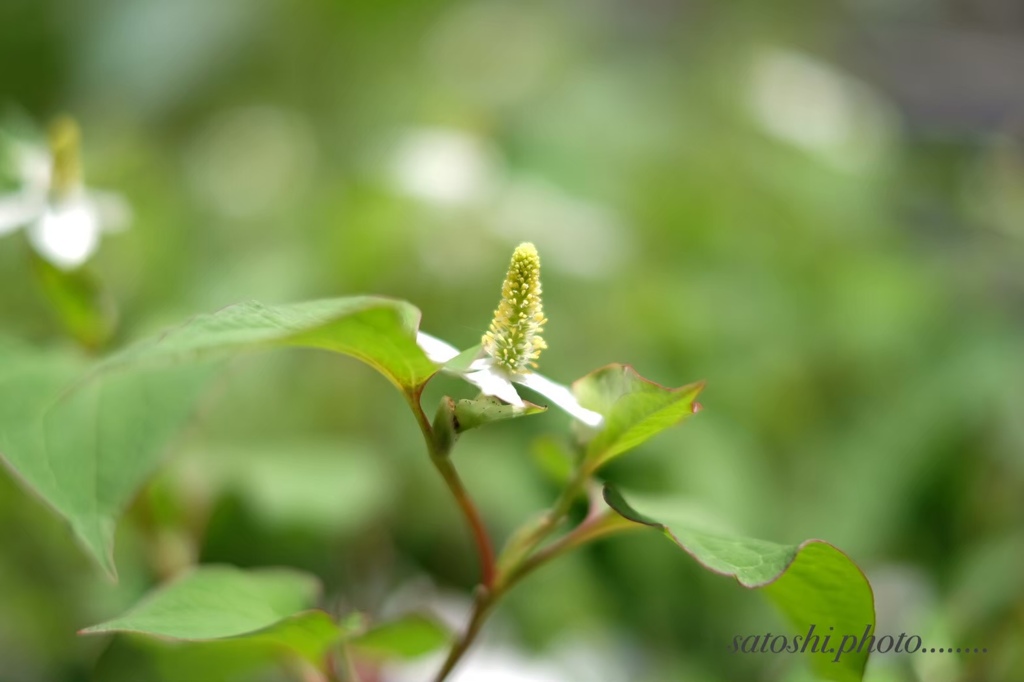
x=65, y=146
x=513, y=339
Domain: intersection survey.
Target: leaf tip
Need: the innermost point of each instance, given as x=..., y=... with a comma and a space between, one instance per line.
x=96, y=536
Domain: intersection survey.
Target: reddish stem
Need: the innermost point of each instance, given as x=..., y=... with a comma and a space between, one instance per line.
x=444, y=466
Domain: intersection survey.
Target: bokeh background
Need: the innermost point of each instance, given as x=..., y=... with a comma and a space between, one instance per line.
x=818, y=207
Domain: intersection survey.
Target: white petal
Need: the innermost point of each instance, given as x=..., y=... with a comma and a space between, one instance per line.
x=485, y=362
x=437, y=350
x=35, y=166
x=17, y=210
x=561, y=396
x=491, y=382
x=66, y=235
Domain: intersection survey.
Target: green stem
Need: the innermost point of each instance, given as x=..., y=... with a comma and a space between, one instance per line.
x=593, y=528
x=517, y=551
x=522, y=560
x=444, y=466
x=485, y=549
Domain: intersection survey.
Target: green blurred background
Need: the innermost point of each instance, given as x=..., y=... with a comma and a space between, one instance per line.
x=818, y=207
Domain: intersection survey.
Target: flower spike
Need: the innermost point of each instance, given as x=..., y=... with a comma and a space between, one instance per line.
x=514, y=339
x=511, y=346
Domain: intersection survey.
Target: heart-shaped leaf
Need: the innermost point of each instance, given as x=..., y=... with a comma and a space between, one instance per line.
x=634, y=409
x=812, y=584
x=85, y=437
x=379, y=331
x=410, y=636
x=86, y=446
x=222, y=602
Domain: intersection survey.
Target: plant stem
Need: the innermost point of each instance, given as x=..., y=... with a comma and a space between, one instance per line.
x=482, y=605
x=514, y=555
x=552, y=519
x=593, y=528
x=330, y=669
x=444, y=466
x=525, y=560
x=485, y=549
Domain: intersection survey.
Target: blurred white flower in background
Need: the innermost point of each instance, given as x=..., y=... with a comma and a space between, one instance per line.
x=445, y=166
x=31, y=166
x=815, y=106
x=464, y=176
x=63, y=219
x=579, y=237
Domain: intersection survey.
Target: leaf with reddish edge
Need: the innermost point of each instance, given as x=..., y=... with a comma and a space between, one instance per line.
x=634, y=409
x=812, y=584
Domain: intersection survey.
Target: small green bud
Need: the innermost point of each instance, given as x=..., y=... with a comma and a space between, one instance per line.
x=446, y=427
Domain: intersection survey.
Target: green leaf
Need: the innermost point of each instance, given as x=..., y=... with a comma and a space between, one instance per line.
x=407, y=637
x=634, y=409
x=812, y=583
x=222, y=602
x=86, y=445
x=241, y=659
x=379, y=331
x=85, y=437
x=470, y=414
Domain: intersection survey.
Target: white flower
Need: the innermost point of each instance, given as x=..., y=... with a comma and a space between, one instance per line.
x=62, y=218
x=512, y=344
